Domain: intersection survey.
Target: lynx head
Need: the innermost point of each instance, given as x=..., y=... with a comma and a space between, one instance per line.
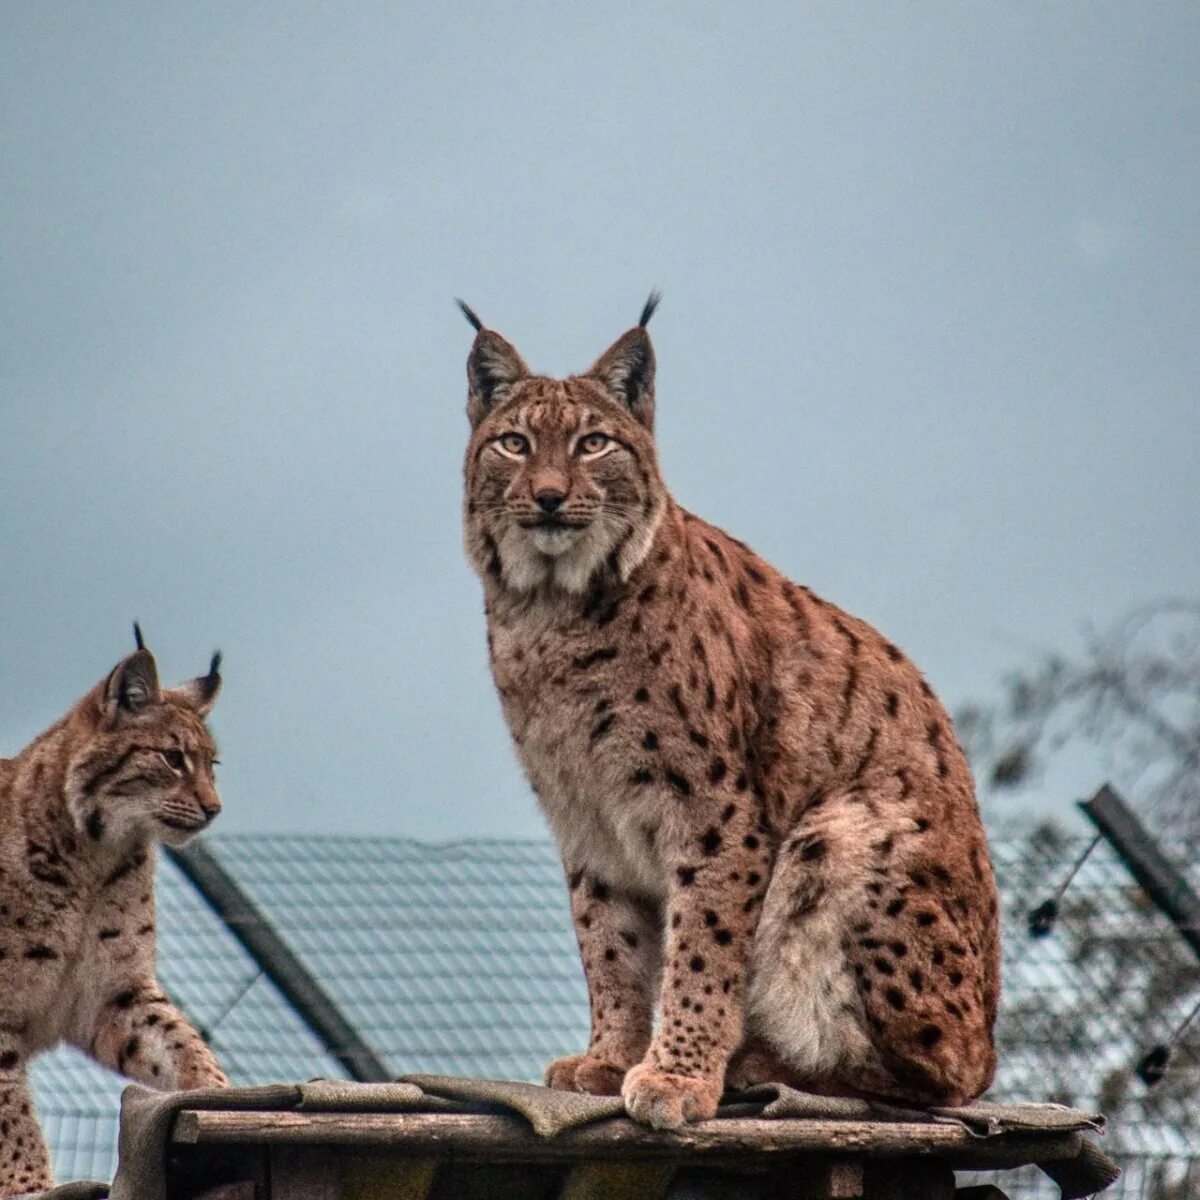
x=562, y=479
x=143, y=764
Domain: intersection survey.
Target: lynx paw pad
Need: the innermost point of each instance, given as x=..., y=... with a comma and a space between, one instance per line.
x=583, y=1073
x=665, y=1101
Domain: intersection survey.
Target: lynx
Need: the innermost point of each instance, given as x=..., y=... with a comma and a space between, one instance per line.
x=80, y=811
x=768, y=828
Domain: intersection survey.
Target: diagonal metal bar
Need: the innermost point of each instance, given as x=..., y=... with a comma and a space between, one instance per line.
x=1163, y=882
x=246, y=921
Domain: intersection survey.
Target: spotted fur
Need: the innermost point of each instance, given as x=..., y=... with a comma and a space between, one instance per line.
x=81, y=809
x=767, y=823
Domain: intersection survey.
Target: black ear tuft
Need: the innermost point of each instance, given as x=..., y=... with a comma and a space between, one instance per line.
x=652, y=303
x=469, y=313
x=201, y=692
x=137, y=636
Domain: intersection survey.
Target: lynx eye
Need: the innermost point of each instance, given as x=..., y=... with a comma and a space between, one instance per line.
x=174, y=759
x=593, y=443
x=514, y=444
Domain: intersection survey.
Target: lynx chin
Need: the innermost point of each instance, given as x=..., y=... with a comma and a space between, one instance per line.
x=768, y=828
x=81, y=808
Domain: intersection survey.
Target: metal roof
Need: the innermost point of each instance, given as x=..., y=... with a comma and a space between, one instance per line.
x=460, y=959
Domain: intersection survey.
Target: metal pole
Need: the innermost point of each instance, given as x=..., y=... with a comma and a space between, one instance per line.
x=250, y=926
x=1137, y=849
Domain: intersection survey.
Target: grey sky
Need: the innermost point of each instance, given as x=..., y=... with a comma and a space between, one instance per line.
x=929, y=339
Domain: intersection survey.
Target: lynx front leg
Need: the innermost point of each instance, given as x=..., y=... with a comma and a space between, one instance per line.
x=24, y=1159
x=141, y=1034
x=620, y=942
x=719, y=877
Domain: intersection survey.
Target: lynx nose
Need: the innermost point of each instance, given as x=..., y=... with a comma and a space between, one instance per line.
x=549, y=499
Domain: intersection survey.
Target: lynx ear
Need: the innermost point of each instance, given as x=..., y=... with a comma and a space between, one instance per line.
x=201, y=692
x=493, y=366
x=626, y=368
x=133, y=684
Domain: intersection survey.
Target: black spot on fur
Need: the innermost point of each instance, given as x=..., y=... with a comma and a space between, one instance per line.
x=686, y=876
x=812, y=849
x=697, y=963
x=641, y=695
x=895, y=997
x=929, y=1036
x=679, y=783
x=698, y=739
x=650, y=741
x=41, y=952
x=896, y=907
x=717, y=770
x=601, y=728
x=710, y=843
x=641, y=776
x=604, y=654
x=893, y=704
x=893, y=652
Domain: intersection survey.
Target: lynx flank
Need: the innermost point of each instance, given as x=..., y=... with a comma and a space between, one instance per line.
x=80, y=810
x=767, y=824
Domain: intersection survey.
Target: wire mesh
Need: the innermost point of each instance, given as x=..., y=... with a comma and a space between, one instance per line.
x=461, y=959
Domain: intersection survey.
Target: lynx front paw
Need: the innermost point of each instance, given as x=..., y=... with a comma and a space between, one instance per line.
x=198, y=1076
x=583, y=1073
x=665, y=1101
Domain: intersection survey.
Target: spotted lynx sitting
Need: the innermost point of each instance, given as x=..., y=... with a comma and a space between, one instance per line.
x=80, y=811
x=768, y=827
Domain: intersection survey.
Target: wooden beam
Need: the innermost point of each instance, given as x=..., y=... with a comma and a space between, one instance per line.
x=502, y=1138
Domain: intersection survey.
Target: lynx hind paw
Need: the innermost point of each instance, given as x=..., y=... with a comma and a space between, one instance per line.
x=583, y=1073
x=665, y=1101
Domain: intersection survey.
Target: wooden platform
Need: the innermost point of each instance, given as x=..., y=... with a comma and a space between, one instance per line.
x=256, y=1155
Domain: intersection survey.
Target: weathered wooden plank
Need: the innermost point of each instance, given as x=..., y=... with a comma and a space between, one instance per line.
x=500, y=1137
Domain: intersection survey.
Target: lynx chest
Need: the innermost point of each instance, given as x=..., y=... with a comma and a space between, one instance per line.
x=575, y=705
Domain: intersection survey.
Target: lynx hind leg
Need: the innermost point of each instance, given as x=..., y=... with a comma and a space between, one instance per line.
x=871, y=965
x=803, y=1008
x=925, y=955
x=24, y=1159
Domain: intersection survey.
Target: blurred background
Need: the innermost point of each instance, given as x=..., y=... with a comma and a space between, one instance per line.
x=928, y=341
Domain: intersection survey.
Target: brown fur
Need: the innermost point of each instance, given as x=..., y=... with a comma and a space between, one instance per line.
x=763, y=811
x=80, y=811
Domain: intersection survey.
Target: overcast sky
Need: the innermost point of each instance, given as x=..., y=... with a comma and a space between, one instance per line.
x=929, y=339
